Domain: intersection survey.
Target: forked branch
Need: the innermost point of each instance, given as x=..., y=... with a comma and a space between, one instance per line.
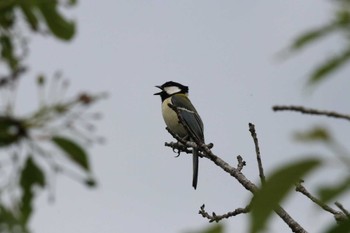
x=206, y=152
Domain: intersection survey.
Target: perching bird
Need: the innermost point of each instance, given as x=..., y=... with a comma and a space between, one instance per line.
x=177, y=94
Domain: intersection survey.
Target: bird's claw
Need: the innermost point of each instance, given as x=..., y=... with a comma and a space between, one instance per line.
x=175, y=150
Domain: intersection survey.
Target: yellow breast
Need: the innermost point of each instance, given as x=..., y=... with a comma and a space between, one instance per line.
x=171, y=119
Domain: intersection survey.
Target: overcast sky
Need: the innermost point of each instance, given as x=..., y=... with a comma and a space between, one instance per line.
x=226, y=52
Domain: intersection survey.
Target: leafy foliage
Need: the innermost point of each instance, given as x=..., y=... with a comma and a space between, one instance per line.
x=331, y=65
x=342, y=227
x=330, y=192
x=73, y=151
x=277, y=186
x=40, y=16
x=58, y=25
x=31, y=176
x=316, y=134
x=7, y=51
x=28, y=141
x=216, y=228
x=340, y=24
x=29, y=135
x=311, y=36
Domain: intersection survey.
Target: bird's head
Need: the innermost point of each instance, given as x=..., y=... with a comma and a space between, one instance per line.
x=171, y=88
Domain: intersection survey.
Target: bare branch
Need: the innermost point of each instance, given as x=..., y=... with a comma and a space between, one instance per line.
x=241, y=178
x=311, y=111
x=339, y=216
x=205, y=151
x=257, y=150
x=217, y=218
x=341, y=207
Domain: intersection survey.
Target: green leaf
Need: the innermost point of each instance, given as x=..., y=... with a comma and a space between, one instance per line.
x=311, y=36
x=343, y=18
x=7, y=18
x=341, y=227
x=276, y=188
x=73, y=151
x=28, y=9
x=40, y=80
x=72, y=2
x=316, y=134
x=216, y=228
x=7, y=51
x=328, y=193
x=31, y=176
x=331, y=65
x=6, y=4
x=58, y=25
x=10, y=221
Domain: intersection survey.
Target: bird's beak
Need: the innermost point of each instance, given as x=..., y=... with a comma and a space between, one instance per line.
x=158, y=93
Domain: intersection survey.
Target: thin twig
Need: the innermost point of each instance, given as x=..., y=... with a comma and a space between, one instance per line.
x=216, y=218
x=311, y=111
x=257, y=150
x=339, y=216
x=341, y=207
x=241, y=163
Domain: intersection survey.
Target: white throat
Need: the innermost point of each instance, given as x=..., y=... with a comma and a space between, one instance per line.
x=172, y=90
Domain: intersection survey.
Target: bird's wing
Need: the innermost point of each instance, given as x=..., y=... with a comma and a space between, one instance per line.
x=189, y=115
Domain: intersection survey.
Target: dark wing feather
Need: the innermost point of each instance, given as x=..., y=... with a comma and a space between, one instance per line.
x=189, y=115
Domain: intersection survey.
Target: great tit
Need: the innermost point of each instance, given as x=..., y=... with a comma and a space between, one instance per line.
x=176, y=94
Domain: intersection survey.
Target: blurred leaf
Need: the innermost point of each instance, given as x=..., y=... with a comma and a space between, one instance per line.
x=72, y=2
x=339, y=227
x=40, y=80
x=73, y=151
x=6, y=4
x=31, y=176
x=275, y=189
x=28, y=9
x=216, y=228
x=328, y=193
x=7, y=16
x=11, y=131
x=331, y=65
x=314, y=135
x=343, y=18
x=58, y=25
x=10, y=223
x=311, y=36
x=7, y=51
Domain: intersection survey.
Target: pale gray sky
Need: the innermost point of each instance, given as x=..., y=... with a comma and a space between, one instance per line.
x=226, y=52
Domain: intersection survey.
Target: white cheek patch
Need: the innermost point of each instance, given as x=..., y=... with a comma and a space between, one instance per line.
x=172, y=90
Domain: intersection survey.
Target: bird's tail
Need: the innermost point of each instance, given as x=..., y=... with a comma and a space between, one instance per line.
x=195, y=168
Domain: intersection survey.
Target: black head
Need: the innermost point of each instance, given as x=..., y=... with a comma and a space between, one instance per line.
x=171, y=88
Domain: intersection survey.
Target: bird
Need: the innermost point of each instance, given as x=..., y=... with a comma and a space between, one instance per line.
x=176, y=94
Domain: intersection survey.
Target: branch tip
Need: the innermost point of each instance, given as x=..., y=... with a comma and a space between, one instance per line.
x=311, y=111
